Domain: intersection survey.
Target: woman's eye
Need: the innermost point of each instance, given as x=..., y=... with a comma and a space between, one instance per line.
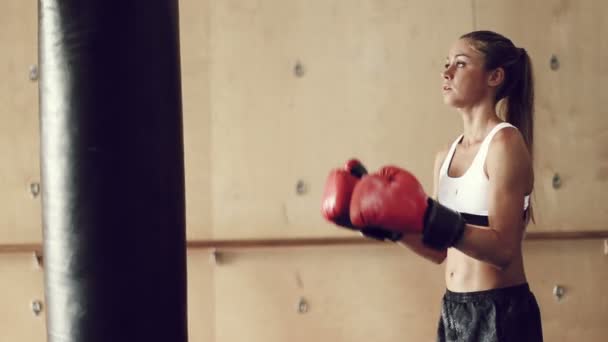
x=446, y=65
x=460, y=64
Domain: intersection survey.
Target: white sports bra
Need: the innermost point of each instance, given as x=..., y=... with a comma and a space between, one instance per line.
x=468, y=194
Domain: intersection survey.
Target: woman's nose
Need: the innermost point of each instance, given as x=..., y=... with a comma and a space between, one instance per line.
x=446, y=74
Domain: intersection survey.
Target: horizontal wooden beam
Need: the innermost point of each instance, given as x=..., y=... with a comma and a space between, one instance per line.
x=20, y=248
x=312, y=242
x=574, y=235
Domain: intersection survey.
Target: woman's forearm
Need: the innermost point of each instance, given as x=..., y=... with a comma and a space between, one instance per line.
x=414, y=243
x=486, y=244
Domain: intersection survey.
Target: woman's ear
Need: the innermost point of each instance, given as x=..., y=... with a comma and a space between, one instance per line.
x=497, y=76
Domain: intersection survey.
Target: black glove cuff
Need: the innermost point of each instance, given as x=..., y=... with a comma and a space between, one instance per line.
x=381, y=234
x=443, y=227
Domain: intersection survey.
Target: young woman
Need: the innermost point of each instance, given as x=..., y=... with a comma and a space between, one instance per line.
x=477, y=218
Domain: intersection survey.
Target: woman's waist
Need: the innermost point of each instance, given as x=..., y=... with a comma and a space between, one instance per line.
x=466, y=274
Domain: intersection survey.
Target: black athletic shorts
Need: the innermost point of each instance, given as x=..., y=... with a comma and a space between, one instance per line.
x=509, y=314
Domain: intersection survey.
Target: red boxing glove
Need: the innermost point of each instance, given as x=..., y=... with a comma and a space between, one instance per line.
x=335, y=206
x=393, y=200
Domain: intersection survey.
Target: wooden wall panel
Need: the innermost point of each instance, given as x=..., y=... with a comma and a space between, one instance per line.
x=370, y=88
x=194, y=40
x=387, y=294
x=21, y=282
x=353, y=294
x=581, y=267
x=571, y=118
x=20, y=218
x=201, y=297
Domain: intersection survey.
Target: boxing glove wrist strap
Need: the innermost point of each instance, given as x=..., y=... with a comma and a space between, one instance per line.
x=381, y=234
x=443, y=227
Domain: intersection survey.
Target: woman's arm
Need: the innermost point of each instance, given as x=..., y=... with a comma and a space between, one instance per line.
x=509, y=169
x=414, y=241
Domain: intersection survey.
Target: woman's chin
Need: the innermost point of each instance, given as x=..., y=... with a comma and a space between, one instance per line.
x=448, y=100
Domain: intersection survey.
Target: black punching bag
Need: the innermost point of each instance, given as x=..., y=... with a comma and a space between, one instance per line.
x=112, y=171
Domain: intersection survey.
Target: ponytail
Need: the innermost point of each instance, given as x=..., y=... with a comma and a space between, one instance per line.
x=519, y=109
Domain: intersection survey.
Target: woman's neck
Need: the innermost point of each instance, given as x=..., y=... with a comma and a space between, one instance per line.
x=478, y=121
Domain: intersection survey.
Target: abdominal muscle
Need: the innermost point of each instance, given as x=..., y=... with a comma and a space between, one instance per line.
x=466, y=274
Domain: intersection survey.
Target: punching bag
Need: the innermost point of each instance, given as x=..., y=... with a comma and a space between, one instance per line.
x=112, y=171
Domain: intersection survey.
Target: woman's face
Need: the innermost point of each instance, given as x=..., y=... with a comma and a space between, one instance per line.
x=465, y=80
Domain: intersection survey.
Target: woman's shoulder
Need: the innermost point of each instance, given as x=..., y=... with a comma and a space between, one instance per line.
x=509, y=141
x=442, y=153
x=508, y=151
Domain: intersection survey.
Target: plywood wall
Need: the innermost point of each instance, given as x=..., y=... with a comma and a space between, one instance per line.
x=388, y=294
x=277, y=92
x=195, y=65
x=21, y=280
x=19, y=144
x=370, y=88
x=21, y=284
